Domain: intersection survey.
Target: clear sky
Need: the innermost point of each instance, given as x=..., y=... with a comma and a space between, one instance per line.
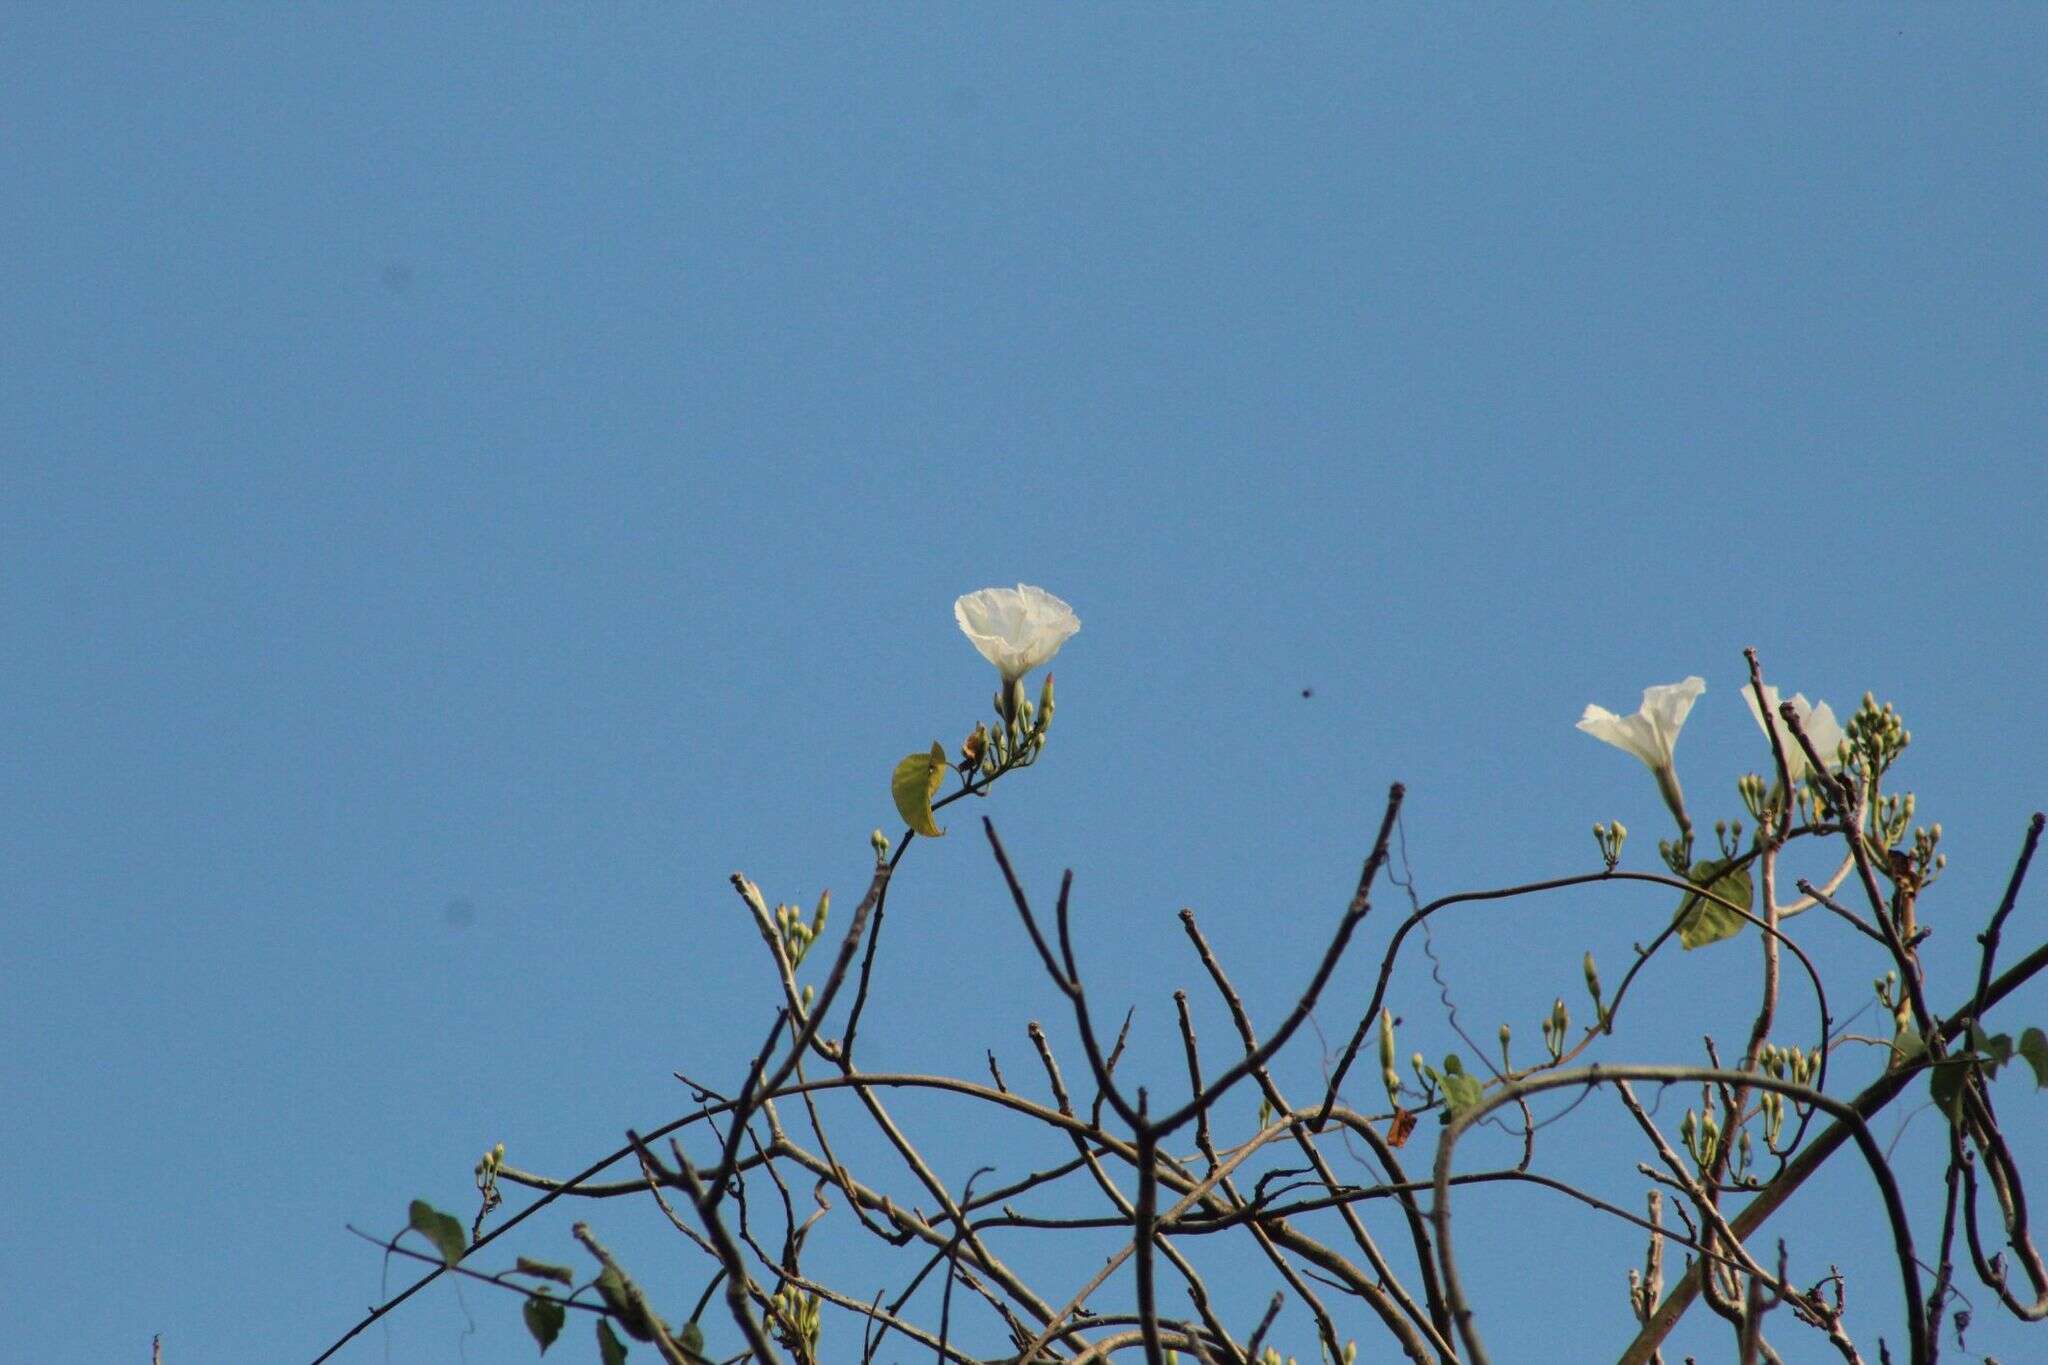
x=472, y=478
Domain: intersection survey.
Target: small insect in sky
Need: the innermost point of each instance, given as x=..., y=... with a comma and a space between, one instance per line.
x=1308, y=691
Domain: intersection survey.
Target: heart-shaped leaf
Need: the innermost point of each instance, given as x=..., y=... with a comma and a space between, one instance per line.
x=1702, y=921
x=914, y=784
x=439, y=1228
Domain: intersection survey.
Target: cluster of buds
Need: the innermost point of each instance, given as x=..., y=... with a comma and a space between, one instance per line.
x=1794, y=1064
x=1556, y=1028
x=1925, y=863
x=879, y=842
x=487, y=1176
x=797, y=936
x=1701, y=1134
x=1610, y=838
x=1271, y=1356
x=797, y=1320
x=1757, y=799
x=1728, y=834
x=1388, y=1074
x=1895, y=999
x=1676, y=853
x=1890, y=820
x=1773, y=1106
x=1875, y=737
x=1015, y=741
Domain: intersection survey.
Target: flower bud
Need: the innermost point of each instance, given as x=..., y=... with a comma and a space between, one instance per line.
x=880, y=843
x=1387, y=1038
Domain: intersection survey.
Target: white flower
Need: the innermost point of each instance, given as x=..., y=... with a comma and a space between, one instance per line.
x=1650, y=733
x=1016, y=629
x=1817, y=720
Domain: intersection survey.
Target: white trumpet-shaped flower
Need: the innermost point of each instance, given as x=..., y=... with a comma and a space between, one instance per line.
x=1650, y=733
x=1016, y=629
x=1817, y=720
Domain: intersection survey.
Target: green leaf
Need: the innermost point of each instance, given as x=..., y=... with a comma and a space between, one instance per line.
x=545, y=1270
x=627, y=1304
x=1702, y=921
x=617, y=1292
x=915, y=783
x=1461, y=1092
x=439, y=1228
x=1910, y=1046
x=1945, y=1082
x=610, y=1349
x=1997, y=1048
x=544, y=1318
x=2034, y=1047
x=691, y=1339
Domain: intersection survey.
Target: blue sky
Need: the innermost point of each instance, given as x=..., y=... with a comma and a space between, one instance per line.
x=474, y=479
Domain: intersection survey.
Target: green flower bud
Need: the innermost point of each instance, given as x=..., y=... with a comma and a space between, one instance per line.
x=1387, y=1038
x=880, y=843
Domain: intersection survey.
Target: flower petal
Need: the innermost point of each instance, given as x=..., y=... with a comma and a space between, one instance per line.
x=1651, y=732
x=1817, y=720
x=1016, y=629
